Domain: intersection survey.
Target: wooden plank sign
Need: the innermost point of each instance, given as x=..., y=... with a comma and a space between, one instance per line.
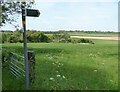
x=32, y=13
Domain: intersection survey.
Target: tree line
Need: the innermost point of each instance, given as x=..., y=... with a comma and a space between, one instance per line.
x=17, y=36
x=33, y=36
x=39, y=36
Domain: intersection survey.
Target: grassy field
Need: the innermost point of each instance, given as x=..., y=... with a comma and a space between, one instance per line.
x=67, y=66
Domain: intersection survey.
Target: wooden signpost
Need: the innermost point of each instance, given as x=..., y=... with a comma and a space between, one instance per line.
x=30, y=13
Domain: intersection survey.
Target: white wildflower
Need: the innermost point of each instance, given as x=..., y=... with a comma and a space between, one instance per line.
x=95, y=70
x=111, y=80
x=61, y=64
x=50, y=57
x=51, y=79
x=90, y=54
x=58, y=75
x=63, y=77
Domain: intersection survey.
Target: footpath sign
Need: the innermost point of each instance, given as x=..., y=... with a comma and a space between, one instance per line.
x=30, y=13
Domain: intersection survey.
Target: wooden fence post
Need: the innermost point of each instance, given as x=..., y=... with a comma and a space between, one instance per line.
x=31, y=60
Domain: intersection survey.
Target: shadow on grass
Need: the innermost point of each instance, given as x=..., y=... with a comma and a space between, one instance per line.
x=19, y=49
x=46, y=50
x=15, y=49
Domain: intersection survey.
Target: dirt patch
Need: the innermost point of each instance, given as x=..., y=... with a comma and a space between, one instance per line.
x=102, y=38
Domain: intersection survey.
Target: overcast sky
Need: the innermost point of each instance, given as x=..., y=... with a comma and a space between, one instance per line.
x=68, y=15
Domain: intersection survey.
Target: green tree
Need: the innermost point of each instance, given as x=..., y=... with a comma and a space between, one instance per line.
x=9, y=8
x=66, y=36
x=13, y=39
x=18, y=33
x=29, y=37
x=4, y=37
x=63, y=37
x=44, y=38
x=36, y=36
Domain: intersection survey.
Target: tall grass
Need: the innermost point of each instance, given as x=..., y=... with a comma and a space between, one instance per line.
x=67, y=66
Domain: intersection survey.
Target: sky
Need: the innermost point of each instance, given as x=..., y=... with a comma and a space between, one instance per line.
x=72, y=15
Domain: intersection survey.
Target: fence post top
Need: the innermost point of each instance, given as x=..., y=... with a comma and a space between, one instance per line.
x=30, y=51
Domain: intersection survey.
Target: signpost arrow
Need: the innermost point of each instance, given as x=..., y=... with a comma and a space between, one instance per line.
x=32, y=13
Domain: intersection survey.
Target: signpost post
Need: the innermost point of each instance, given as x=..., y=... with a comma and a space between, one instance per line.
x=31, y=13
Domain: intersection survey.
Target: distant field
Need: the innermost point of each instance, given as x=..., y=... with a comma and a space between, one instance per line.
x=105, y=34
x=72, y=66
x=97, y=37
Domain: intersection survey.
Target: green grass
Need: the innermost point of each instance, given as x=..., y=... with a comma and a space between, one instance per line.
x=84, y=66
